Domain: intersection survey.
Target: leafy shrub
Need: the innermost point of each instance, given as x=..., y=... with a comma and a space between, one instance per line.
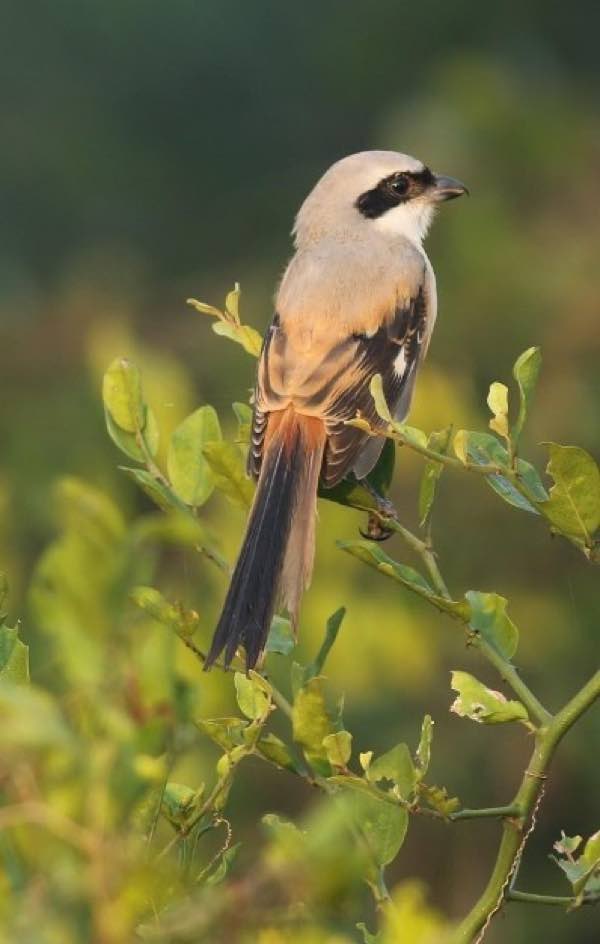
x=101, y=842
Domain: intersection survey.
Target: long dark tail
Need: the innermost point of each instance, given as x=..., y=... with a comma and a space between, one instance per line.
x=276, y=558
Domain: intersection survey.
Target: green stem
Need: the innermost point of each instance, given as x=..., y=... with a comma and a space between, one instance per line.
x=487, y=469
x=506, y=669
x=221, y=784
x=562, y=900
x=516, y=829
x=510, y=675
x=280, y=700
x=498, y=812
x=424, y=550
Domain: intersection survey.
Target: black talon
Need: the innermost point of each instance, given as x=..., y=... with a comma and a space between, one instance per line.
x=376, y=531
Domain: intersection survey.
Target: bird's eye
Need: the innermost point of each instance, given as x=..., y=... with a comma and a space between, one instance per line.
x=400, y=184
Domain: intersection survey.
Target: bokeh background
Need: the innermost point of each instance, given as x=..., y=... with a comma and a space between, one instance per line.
x=153, y=152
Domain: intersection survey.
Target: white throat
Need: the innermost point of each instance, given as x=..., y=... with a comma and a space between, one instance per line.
x=411, y=220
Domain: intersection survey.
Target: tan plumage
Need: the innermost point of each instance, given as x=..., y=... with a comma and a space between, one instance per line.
x=357, y=298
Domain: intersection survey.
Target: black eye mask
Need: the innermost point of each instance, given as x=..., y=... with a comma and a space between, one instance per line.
x=393, y=190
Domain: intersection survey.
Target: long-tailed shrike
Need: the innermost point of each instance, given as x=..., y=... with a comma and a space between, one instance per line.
x=357, y=298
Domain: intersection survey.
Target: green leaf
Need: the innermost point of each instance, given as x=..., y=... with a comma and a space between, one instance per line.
x=128, y=442
x=483, y=449
x=14, y=656
x=590, y=859
x=310, y=719
x=584, y=872
x=396, y=765
x=489, y=618
x=160, y=494
x=437, y=798
x=179, y=802
x=567, y=845
x=376, y=390
x=424, y=748
x=281, y=637
x=226, y=732
x=274, y=750
x=243, y=414
x=526, y=371
x=249, y=339
x=122, y=395
x=374, y=556
x=189, y=472
x=574, y=503
x=383, y=825
x=439, y=442
x=252, y=694
x=411, y=434
x=497, y=401
x=369, y=938
x=205, y=309
x=182, y=621
x=338, y=747
x=227, y=465
x=332, y=628
x=3, y=594
x=482, y=704
x=232, y=303
x=228, y=322
x=460, y=444
x=288, y=840
x=365, y=758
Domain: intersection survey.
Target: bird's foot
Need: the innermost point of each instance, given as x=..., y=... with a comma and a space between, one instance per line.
x=376, y=530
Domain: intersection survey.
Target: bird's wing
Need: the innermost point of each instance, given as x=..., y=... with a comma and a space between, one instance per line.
x=394, y=352
x=331, y=380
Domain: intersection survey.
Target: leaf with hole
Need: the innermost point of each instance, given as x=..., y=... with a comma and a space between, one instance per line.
x=397, y=766
x=574, y=503
x=482, y=704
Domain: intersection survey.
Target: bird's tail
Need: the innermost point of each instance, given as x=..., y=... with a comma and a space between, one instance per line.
x=276, y=560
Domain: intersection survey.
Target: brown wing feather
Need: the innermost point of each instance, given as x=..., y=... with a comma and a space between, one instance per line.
x=331, y=381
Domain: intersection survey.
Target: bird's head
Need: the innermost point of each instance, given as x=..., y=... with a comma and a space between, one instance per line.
x=392, y=194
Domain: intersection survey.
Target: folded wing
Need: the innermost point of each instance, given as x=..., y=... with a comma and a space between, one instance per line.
x=329, y=378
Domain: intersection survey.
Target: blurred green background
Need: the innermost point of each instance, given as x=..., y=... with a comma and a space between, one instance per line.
x=157, y=151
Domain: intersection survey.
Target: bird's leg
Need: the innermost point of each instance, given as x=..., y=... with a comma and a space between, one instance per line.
x=376, y=531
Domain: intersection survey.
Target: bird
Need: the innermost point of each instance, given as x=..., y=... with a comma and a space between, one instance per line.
x=358, y=298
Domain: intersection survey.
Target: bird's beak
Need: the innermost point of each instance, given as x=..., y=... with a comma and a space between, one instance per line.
x=447, y=188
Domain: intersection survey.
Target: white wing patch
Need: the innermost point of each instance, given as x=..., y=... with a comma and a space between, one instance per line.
x=400, y=363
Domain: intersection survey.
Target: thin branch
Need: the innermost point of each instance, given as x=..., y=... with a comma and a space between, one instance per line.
x=486, y=469
x=492, y=812
x=506, y=669
x=564, y=901
x=511, y=676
